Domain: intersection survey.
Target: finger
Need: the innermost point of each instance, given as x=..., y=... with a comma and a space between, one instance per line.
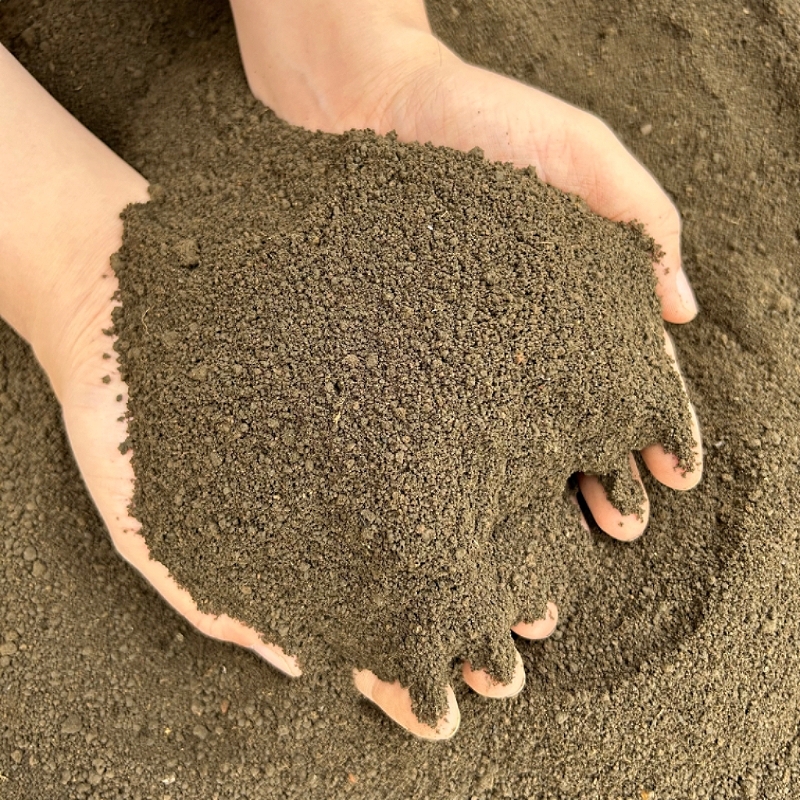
x=624, y=527
x=133, y=548
x=278, y=658
x=228, y=629
x=665, y=467
x=540, y=628
x=395, y=701
x=484, y=684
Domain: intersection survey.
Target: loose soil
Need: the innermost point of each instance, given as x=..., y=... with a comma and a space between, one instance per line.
x=672, y=672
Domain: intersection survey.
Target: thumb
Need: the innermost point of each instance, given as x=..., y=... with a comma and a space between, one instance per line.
x=584, y=157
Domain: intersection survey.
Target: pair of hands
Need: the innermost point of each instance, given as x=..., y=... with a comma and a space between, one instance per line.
x=328, y=65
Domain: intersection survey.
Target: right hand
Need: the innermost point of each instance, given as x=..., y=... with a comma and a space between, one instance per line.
x=376, y=64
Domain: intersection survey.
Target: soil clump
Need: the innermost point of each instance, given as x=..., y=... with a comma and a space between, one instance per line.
x=359, y=387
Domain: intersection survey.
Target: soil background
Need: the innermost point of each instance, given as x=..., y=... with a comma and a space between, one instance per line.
x=675, y=677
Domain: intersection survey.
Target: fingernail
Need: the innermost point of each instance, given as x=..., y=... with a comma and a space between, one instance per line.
x=364, y=681
x=686, y=294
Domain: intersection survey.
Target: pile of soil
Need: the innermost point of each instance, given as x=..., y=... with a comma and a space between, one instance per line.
x=673, y=672
x=359, y=387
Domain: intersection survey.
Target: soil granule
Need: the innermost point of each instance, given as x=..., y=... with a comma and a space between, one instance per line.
x=673, y=671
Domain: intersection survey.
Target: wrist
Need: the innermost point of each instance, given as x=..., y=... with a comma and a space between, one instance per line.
x=332, y=64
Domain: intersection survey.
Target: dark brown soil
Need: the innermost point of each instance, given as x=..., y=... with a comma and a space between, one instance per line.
x=673, y=671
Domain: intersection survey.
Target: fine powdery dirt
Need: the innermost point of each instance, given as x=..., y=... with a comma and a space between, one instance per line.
x=672, y=673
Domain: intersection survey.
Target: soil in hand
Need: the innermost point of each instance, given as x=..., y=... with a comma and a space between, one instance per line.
x=674, y=670
x=358, y=388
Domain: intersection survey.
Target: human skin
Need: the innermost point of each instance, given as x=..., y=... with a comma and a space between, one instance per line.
x=317, y=64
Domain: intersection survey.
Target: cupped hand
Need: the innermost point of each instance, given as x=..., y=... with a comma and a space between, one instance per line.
x=63, y=192
x=94, y=400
